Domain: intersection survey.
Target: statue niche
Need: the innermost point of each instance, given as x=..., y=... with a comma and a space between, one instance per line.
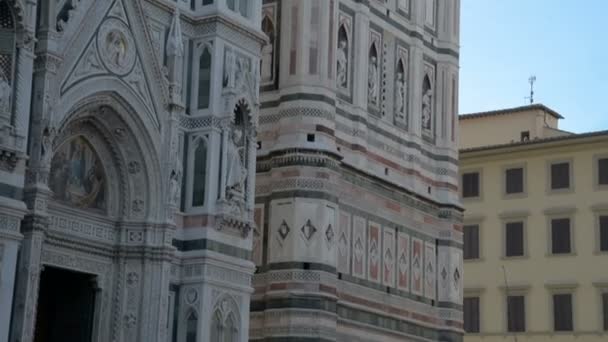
x=77, y=176
x=236, y=159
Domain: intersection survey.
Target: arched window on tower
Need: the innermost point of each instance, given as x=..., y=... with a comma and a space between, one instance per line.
x=244, y=8
x=231, y=4
x=200, y=173
x=268, y=51
x=204, y=79
x=7, y=60
x=191, y=327
x=342, y=63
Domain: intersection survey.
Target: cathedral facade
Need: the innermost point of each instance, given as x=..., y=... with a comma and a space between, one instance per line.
x=229, y=170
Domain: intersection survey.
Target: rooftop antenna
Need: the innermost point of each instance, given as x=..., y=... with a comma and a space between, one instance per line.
x=531, y=80
x=504, y=273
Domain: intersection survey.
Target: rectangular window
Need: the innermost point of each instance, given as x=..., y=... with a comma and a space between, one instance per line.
x=514, y=239
x=605, y=309
x=560, y=236
x=562, y=312
x=514, y=179
x=560, y=176
x=471, y=314
x=471, y=242
x=603, y=233
x=294, y=41
x=470, y=184
x=516, y=314
x=602, y=171
x=313, y=51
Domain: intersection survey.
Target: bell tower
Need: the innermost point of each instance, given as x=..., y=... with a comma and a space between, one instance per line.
x=358, y=234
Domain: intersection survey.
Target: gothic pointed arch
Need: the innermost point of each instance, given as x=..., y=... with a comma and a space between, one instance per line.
x=199, y=176
x=225, y=321
x=110, y=128
x=204, y=78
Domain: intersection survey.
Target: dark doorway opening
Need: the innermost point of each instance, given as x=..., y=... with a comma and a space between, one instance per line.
x=66, y=306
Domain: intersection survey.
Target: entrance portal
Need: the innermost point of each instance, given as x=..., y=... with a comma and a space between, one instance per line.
x=66, y=306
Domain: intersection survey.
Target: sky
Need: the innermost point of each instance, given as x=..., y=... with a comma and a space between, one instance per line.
x=563, y=43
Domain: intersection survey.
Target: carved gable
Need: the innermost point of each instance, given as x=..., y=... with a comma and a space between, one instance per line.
x=116, y=51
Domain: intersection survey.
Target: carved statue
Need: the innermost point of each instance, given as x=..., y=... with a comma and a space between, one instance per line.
x=267, y=59
x=117, y=48
x=342, y=73
x=229, y=69
x=400, y=95
x=372, y=81
x=236, y=172
x=427, y=102
x=174, y=188
x=46, y=151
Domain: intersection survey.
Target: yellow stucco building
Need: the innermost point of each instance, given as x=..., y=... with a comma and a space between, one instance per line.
x=535, y=228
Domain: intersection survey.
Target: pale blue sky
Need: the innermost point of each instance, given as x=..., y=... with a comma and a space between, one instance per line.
x=564, y=43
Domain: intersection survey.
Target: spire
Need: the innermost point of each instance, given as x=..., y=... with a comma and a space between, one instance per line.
x=175, y=60
x=175, y=44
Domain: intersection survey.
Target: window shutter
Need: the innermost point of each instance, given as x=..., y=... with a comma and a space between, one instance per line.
x=471, y=242
x=560, y=176
x=515, y=181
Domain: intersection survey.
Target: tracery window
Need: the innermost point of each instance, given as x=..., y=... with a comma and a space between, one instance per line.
x=224, y=323
x=7, y=58
x=200, y=173
x=204, y=79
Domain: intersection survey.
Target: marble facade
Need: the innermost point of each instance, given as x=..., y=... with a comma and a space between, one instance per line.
x=225, y=170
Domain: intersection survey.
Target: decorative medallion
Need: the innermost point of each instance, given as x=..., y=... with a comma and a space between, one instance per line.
x=116, y=46
x=191, y=296
x=308, y=230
